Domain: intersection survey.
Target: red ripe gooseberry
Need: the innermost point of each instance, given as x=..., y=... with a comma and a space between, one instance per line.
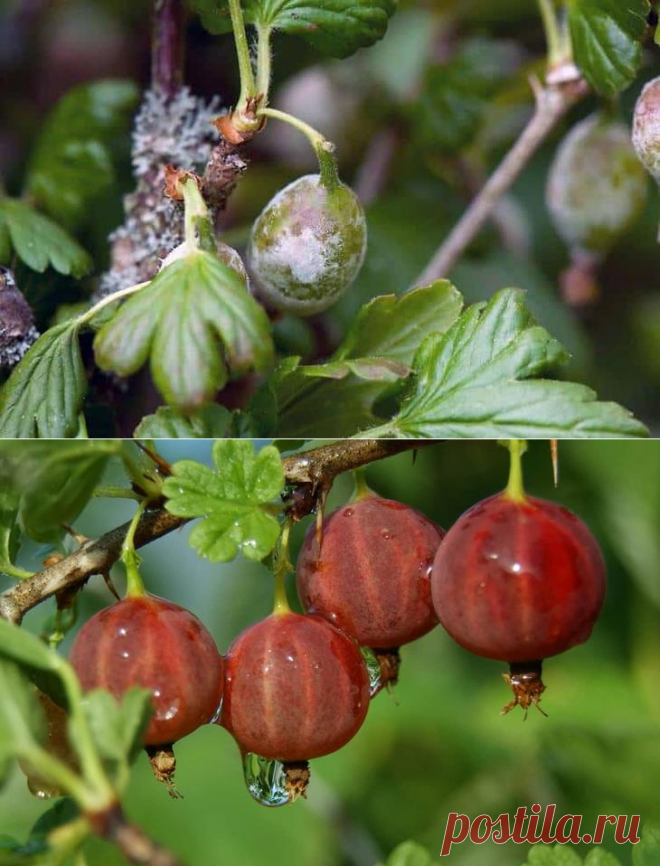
x=149, y=642
x=295, y=688
x=371, y=577
x=519, y=580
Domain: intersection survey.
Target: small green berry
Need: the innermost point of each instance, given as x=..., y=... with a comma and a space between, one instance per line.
x=596, y=188
x=307, y=245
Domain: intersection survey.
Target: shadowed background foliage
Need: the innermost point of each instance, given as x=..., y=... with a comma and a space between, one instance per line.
x=439, y=744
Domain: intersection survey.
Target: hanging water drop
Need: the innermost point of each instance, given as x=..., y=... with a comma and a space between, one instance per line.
x=273, y=783
x=373, y=669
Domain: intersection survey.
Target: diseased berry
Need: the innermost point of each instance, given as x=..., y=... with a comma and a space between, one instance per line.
x=371, y=575
x=149, y=642
x=17, y=330
x=646, y=128
x=295, y=688
x=519, y=579
x=596, y=191
x=307, y=245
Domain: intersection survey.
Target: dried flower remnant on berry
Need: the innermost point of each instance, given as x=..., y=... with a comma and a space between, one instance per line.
x=17, y=330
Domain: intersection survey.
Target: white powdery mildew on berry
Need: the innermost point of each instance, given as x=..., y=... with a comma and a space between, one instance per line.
x=646, y=128
x=177, y=132
x=309, y=258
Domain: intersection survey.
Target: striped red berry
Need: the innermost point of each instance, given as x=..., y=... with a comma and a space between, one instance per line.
x=295, y=688
x=149, y=642
x=371, y=575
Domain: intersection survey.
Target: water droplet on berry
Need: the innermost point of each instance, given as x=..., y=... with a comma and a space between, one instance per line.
x=348, y=512
x=266, y=780
x=373, y=669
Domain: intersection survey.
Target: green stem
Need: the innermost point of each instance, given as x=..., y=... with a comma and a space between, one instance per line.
x=66, y=840
x=282, y=568
x=195, y=210
x=248, y=89
x=515, y=489
x=58, y=774
x=323, y=148
x=115, y=492
x=14, y=571
x=152, y=489
x=362, y=489
x=134, y=583
x=110, y=299
x=556, y=48
x=263, y=62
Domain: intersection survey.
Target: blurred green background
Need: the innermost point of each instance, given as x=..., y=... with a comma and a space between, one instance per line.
x=439, y=745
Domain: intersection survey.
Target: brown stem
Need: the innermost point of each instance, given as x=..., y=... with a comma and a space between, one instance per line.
x=133, y=842
x=552, y=103
x=316, y=468
x=168, y=46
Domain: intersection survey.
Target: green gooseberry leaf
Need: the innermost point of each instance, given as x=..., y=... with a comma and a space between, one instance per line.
x=476, y=381
x=211, y=422
x=196, y=321
x=335, y=27
x=235, y=500
x=606, y=37
x=118, y=726
x=647, y=851
x=377, y=350
x=600, y=857
x=410, y=854
x=43, y=396
x=553, y=855
x=72, y=162
x=40, y=242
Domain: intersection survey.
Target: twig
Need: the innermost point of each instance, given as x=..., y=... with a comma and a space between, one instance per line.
x=168, y=46
x=373, y=173
x=316, y=468
x=552, y=103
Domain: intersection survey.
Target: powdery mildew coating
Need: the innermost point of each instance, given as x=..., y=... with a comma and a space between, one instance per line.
x=518, y=582
x=372, y=579
x=295, y=688
x=646, y=128
x=308, y=245
x=158, y=645
x=596, y=187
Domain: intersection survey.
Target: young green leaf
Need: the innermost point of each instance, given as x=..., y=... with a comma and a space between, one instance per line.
x=475, y=381
x=555, y=855
x=72, y=161
x=335, y=27
x=410, y=854
x=195, y=321
x=235, y=500
x=378, y=349
x=647, y=852
x=24, y=649
x=606, y=37
x=600, y=857
x=44, y=394
x=39, y=242
x=118, y=727
x=211, y=422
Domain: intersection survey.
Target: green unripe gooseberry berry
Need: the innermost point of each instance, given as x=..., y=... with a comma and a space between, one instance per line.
x=307, y=245
x=596, y=187
x=646, y=128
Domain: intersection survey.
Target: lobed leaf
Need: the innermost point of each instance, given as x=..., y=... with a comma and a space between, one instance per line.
x=475, y=382
x=39, y=242
x=195, y=321
x=335, y=27
x=211, y=422
x=233, y=500
x=606, y=37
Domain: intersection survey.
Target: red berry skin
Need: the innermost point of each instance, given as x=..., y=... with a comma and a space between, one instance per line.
x=155, y=644
x=518, y=581
x=295, y=688
x=373, y=577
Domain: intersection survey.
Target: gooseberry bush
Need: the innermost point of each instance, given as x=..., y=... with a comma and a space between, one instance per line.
x=274, y=272
x=516, y=579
